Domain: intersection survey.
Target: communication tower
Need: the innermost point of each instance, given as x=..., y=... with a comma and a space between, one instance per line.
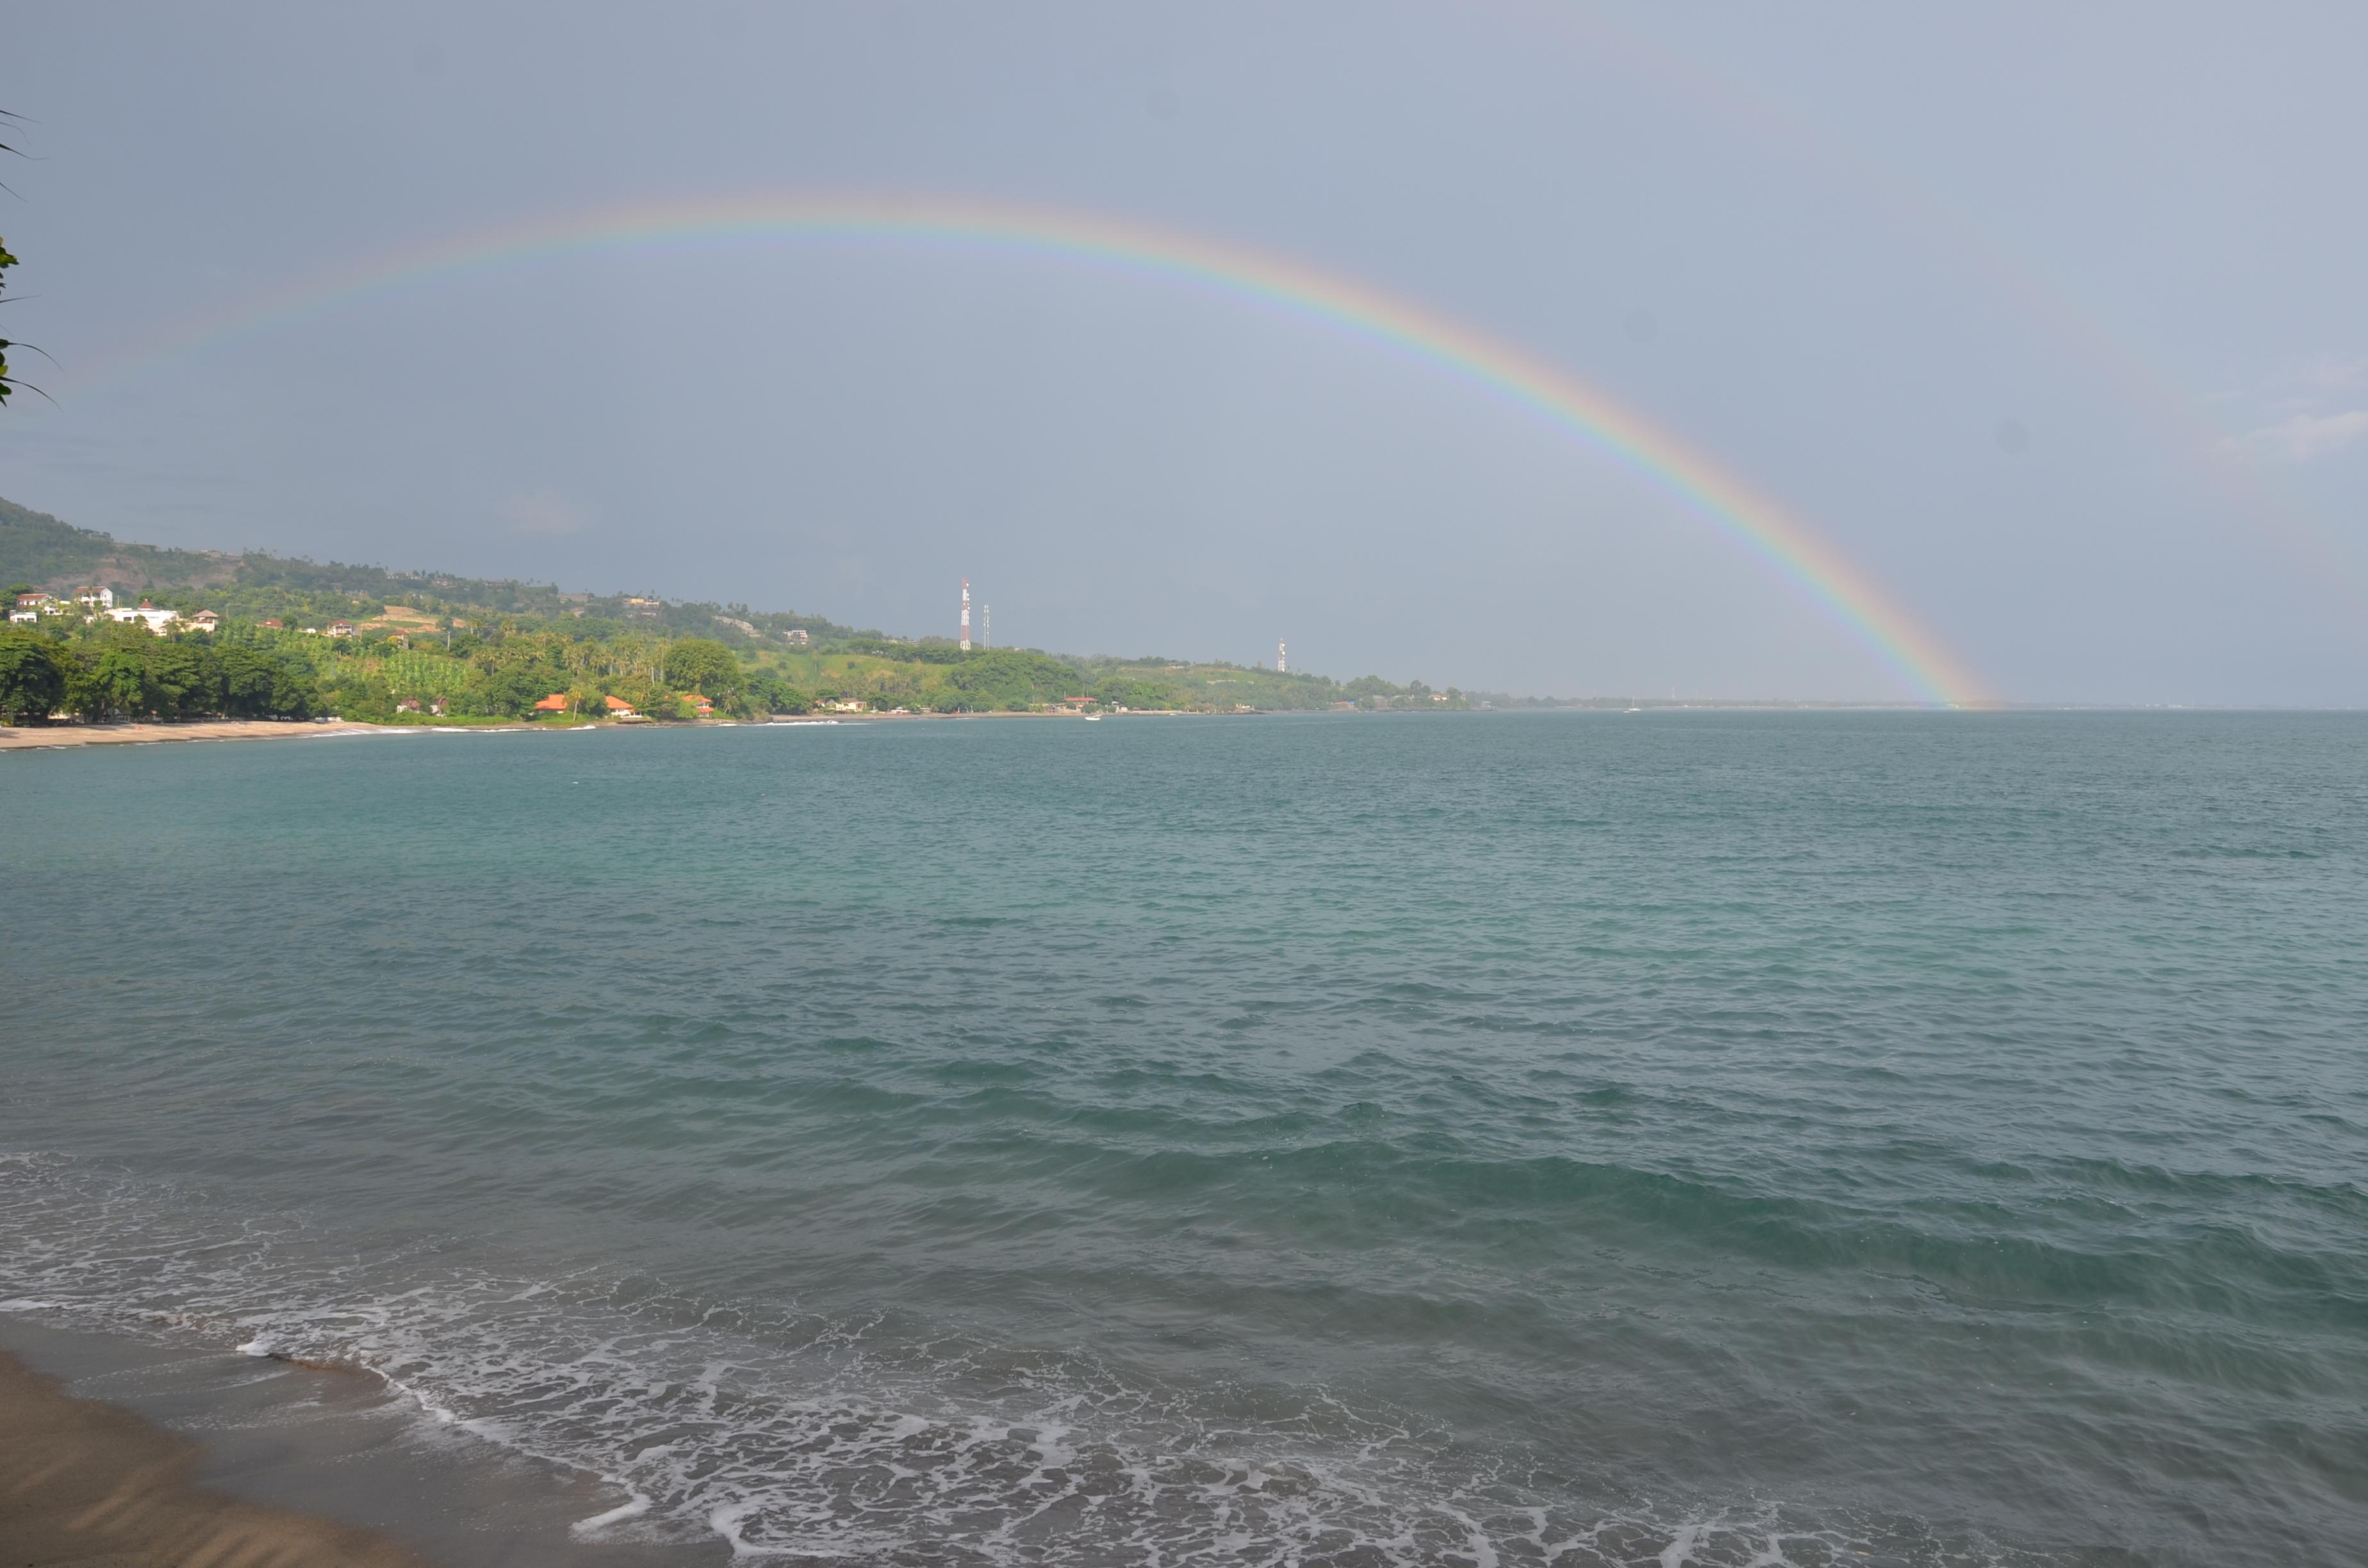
x=965, y=619
x=987, y=626
x=1282, y=658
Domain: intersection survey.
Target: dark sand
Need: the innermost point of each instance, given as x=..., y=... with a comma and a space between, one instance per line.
x=323, y=1454
x=89, y=1484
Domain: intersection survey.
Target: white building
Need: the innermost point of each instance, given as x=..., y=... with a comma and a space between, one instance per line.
x=155, y=619
x=95, y=598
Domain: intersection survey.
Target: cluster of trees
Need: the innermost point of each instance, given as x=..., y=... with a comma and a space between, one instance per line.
x=125, y=671
x=104, y=670
x=1169, y=684
x=100, y=670
x=503, y=672
x=1004, y=678
x=1372, y=692
x=1136, y=692
x=938, y=677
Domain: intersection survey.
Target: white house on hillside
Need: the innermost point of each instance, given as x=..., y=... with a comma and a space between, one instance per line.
x=155, y=619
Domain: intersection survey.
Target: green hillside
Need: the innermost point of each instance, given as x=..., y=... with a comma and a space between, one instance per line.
x=58, y=558
x=372, y=644
x=37, y=549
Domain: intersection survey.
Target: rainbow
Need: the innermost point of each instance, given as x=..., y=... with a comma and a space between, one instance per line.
x=1750, y=521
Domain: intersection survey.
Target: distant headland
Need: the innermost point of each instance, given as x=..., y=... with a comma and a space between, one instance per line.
x=100, y=629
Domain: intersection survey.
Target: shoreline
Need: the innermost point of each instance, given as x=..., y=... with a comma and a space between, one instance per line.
x=69, y=737
x=123, y=1451
x=84, y=1481
x=65, y=737
x=72, y=736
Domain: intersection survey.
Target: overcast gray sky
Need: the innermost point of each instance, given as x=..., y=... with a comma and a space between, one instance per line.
x=2050, y=320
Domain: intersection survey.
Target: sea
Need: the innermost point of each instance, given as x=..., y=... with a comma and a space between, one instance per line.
x=1673, y=1137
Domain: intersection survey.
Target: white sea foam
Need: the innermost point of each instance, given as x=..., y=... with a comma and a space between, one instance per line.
x=634, y=1508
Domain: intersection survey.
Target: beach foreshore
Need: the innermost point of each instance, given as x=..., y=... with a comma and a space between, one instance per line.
x=83, y=1482
x=51, y=736
x=122, y=1452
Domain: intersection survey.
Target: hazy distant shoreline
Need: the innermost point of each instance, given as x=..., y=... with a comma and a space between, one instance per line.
x=59, y=737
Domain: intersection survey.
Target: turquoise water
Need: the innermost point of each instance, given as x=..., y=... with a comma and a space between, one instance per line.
x=1500, y=1139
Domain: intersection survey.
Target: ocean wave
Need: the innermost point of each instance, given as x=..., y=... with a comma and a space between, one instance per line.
x=812, y=1440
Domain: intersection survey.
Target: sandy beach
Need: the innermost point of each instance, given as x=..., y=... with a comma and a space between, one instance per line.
x=56, y=736
x=84, y=1484
x=50, y=736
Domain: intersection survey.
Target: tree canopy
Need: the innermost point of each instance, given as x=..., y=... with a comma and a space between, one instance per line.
x=125, y=671
x=33, y=681
x=706, y=667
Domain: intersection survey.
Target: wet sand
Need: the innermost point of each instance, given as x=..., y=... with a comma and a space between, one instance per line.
x=85, y=1483
x=53, y=736
x=317, y=1448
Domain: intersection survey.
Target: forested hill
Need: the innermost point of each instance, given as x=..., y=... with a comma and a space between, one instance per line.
x=37, y=549
x=368, y=642
x=57, y=557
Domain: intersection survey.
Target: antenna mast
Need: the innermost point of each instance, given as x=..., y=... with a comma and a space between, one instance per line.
x=965, y=619
x=1282, y=658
